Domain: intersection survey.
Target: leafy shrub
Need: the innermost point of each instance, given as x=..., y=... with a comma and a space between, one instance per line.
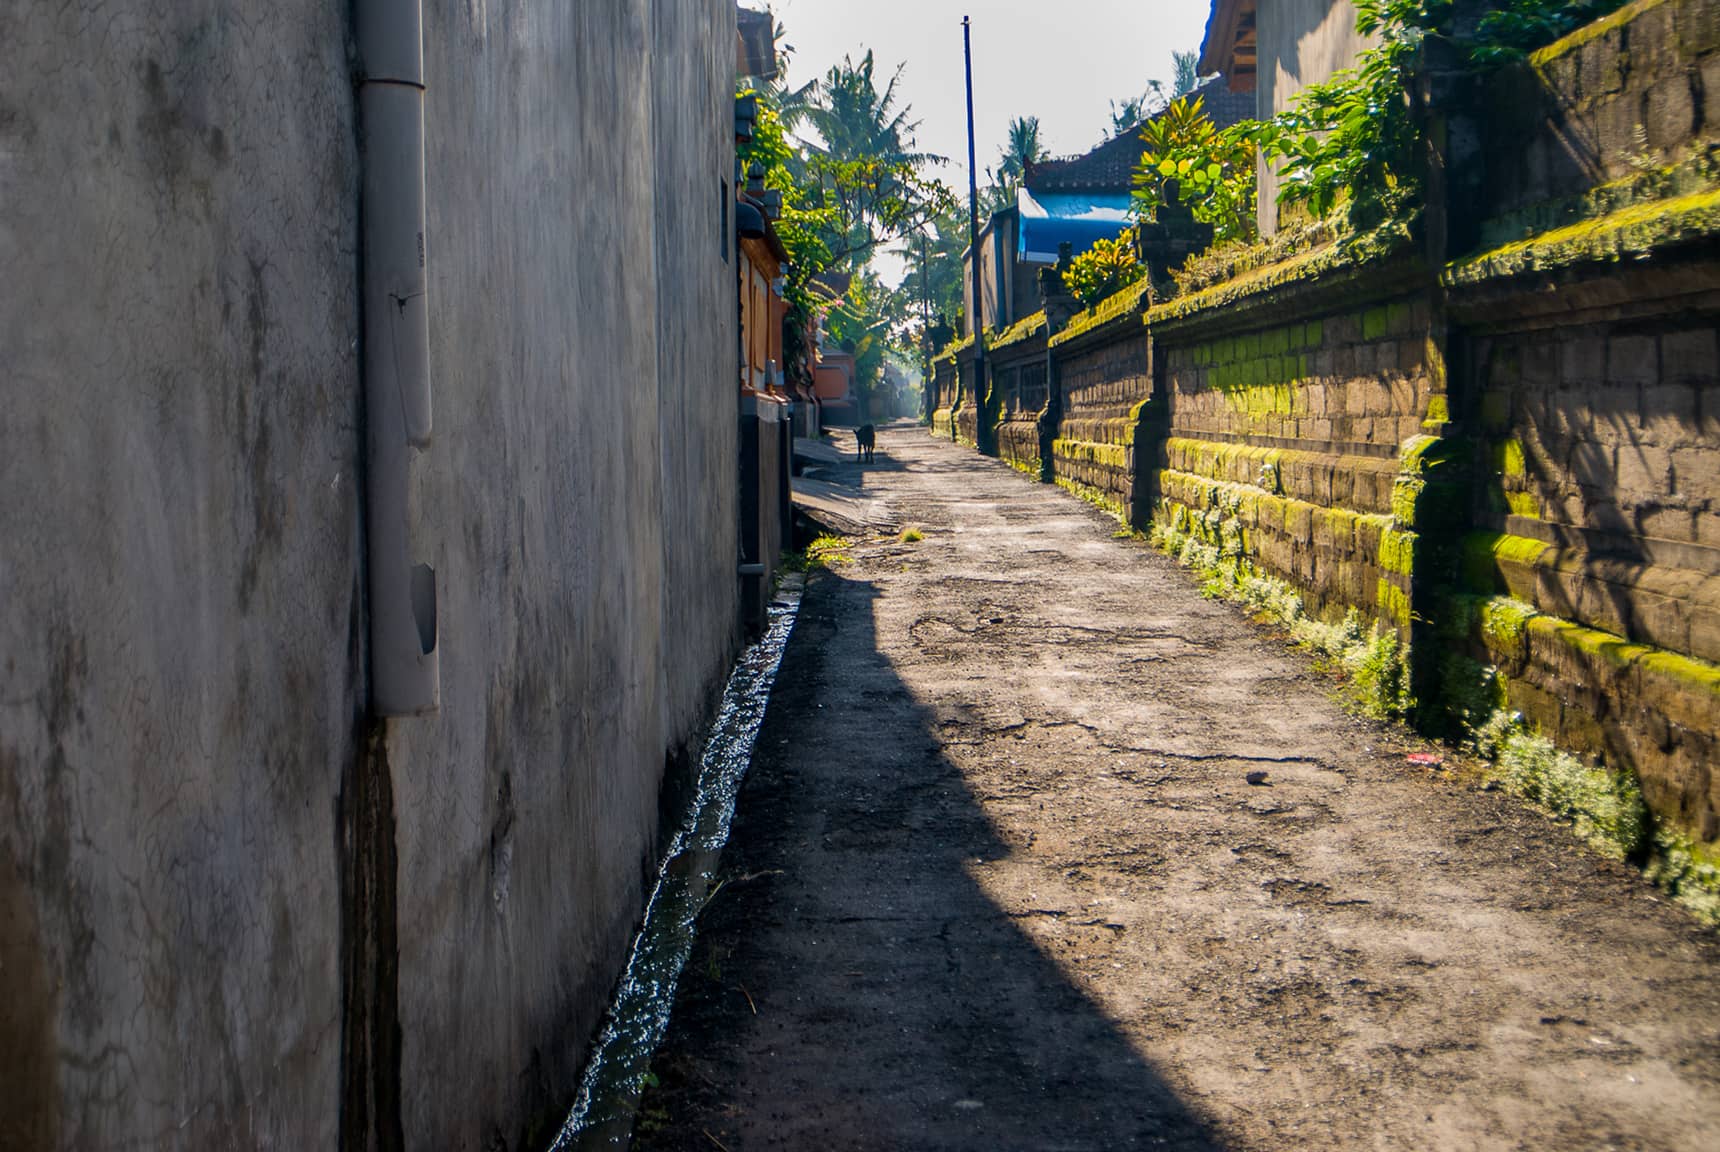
x=1215, y=169
x=1103, y=270
x=1605, y=808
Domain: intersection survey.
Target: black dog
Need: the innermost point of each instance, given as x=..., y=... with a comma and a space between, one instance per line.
x=866, y=439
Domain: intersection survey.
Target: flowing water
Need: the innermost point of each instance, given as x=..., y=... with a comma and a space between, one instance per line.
x=608, y=1099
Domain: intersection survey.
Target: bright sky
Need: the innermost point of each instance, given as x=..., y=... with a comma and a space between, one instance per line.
x=1061, y=60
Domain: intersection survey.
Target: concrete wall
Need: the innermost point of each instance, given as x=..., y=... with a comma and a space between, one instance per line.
x=1301, y=42
x=204, y=847
x=585, y=436
x=180, y=559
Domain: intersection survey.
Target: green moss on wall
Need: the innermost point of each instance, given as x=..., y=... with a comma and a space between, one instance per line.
x=1108, y=455
x=1100, y=500
x=1483, y=551
x=1019, y=331
x=1635, y=232
x=1508, y=458
x=1523, y=504
x=1130, y=302
x=1589, y=33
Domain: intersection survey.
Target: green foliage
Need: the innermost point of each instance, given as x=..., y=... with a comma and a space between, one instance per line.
x=864, y=171
x=1517, y=27
x=1103, y=270
x=1215, y=169
x=1023, y=150
x=859, y=185
x=1128, y=115
x=1351, y=141
x=825, y=552
x=1687, y=871
x=1605, y=808
x=1185, y=73
x=1373, y=660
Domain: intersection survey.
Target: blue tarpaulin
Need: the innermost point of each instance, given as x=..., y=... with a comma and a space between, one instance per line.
x=1076, y=218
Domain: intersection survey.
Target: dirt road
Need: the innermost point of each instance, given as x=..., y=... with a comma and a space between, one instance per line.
x=998, y=882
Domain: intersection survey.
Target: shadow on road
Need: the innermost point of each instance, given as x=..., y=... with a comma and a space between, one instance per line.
x=853, y=987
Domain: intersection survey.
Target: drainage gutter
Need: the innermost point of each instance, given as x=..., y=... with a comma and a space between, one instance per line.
x=405, y=673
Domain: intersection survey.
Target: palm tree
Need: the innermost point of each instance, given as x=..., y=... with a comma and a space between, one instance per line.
x=1135, y=111
x=1185, y=74
x=1023, y=150
x=853, y=119
x=864, y=162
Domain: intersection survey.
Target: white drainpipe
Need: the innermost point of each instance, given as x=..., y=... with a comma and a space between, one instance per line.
x=404, y=672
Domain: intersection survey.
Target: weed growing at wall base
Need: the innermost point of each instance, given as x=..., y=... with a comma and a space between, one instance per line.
x=1094, y=497
x=1375, y=662
x=1604, y=808
x=825, y=552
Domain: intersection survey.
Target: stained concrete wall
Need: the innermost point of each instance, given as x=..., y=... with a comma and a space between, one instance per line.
x=204, y=849
x=1301, y=42
x=181, y=623
x=580, y=502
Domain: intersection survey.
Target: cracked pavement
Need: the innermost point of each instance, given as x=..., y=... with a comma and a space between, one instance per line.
x=998, y=880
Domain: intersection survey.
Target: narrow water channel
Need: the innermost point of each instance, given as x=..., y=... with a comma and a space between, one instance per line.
x=608, y=1100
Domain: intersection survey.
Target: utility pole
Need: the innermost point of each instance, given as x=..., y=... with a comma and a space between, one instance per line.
x=977, y=318
x=927, y=401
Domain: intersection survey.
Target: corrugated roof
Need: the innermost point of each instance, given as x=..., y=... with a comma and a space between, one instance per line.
x=1111, y=166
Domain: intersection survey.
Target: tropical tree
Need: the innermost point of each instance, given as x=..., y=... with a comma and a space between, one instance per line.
x=1130, y=114
x=842, y=154
x=864, y=165
x=1023, y=150
x=1185, y=73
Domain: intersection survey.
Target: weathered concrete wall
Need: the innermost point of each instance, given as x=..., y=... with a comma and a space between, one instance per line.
x=203, y=845
x=180, y=570
x=1301, y=42
x=528, y=808
x=692, y=125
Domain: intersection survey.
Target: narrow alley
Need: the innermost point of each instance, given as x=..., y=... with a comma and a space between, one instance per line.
x=1000, y=878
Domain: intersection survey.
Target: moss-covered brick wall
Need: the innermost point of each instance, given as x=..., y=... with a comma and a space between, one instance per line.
x=1596, y=514
x=1638, y=88
x=967, y=412
x=1018, y=370
x=1104, y=390
x=1312, y=431
x=1589, y=577
x=945, y=381
x=1600, y=444
x=1356, y=378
